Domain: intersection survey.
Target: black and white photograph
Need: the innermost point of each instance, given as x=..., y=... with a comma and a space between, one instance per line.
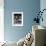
x=17, y=18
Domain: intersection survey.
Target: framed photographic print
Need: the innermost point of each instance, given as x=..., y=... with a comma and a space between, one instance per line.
x=17, y=18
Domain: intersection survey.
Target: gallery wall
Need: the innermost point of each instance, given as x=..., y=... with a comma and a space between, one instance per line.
x=29, y=8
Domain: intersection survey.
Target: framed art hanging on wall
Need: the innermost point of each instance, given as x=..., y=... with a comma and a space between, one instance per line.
x=17, y=18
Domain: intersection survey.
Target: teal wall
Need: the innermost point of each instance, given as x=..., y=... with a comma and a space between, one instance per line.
x=29, y=7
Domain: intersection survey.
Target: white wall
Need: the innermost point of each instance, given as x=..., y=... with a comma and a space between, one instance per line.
x=1, y=20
